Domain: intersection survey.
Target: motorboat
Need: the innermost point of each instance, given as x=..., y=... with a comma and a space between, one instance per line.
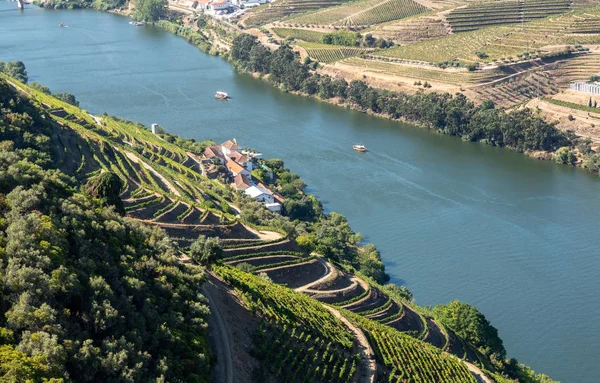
x=221, y=96
x=359, y=148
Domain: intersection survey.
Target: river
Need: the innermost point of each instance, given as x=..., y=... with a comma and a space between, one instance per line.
x=517, y=237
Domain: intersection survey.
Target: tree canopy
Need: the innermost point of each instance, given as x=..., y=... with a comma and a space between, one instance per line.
x=472, y=326
x=150, y=10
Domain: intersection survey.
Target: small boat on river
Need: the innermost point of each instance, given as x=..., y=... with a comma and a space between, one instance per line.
x=359, y=148
x=136, y=23
x=63, y=25
x=221, y=96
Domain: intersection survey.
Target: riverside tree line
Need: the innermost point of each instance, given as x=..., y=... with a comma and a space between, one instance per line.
x=454, y=115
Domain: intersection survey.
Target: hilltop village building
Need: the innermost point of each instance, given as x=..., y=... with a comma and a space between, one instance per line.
x=240, y=164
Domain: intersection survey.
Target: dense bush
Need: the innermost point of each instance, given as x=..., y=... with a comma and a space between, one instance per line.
x=472, y=326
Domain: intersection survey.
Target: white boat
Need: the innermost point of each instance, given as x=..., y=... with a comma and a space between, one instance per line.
x=221, y=95
x=136, y=23
x=359, y=148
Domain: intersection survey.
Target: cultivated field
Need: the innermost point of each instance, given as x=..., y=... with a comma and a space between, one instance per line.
x=362, y=13
x=330, y=53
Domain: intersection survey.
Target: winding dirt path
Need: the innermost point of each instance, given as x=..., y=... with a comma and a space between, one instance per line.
x=224, y=358
x=477, y=373
x=368, y=365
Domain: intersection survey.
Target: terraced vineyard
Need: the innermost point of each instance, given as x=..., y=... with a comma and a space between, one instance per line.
x=411, y=30
x=300, y=34
x=477, y=16
x=330, y=53
x=420, y=73
x=411, y=360
x=362, y=13
x=284, y=8
x=502, y=43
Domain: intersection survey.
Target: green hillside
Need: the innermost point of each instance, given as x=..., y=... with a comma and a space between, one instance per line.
x=117, y=298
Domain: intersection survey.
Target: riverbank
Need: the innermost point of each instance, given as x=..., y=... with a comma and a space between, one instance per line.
x=580, y=152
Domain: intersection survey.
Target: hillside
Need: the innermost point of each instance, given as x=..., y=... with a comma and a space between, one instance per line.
x=507, y=51
x=309, y=295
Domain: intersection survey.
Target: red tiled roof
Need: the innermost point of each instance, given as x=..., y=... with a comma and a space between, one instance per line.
x=234, y=166
x=211, y=152
x=229, y=144
x=241, y=181
x=260, y=185
x=238, y=157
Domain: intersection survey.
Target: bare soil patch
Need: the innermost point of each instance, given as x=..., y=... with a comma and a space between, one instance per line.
x=263, y=261
x=239, y=325
x=294, y=276
x=410, y=321
x=171, y=215
x=435, y=336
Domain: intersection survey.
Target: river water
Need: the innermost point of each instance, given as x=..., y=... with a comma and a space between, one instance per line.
x=516, y=237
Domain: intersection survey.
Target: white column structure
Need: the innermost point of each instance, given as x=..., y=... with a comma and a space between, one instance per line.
x=585, y=87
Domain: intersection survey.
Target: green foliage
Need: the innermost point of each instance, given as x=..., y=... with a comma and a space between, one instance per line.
x=306, y=242
x=16, y=366
x=471, y=325
x=565, y=155
x=107, y=186
x=150, y=10
x=16, y=70
x=84, y=293
x=286, y=307
x=67, y=97
x=301, y=209
x=206, y=250
x=341, y=37
x=40, y=87
x=409, y=359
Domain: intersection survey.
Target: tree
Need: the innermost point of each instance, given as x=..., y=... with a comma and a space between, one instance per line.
x=306, y=242
x=68, y=98
x=241, y=48
x=16, y=70
x=301, y=209
x=107, y=186
x=40, y=87
x=565, y=155
x=206, y=250
x=150, y=10
x=260, y=59
x=472, y=326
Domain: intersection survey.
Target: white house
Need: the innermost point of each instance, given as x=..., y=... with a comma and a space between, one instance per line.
x=260, y=194
x=274, y=207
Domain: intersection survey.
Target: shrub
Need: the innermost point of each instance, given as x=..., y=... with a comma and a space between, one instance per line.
x=565, y=155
